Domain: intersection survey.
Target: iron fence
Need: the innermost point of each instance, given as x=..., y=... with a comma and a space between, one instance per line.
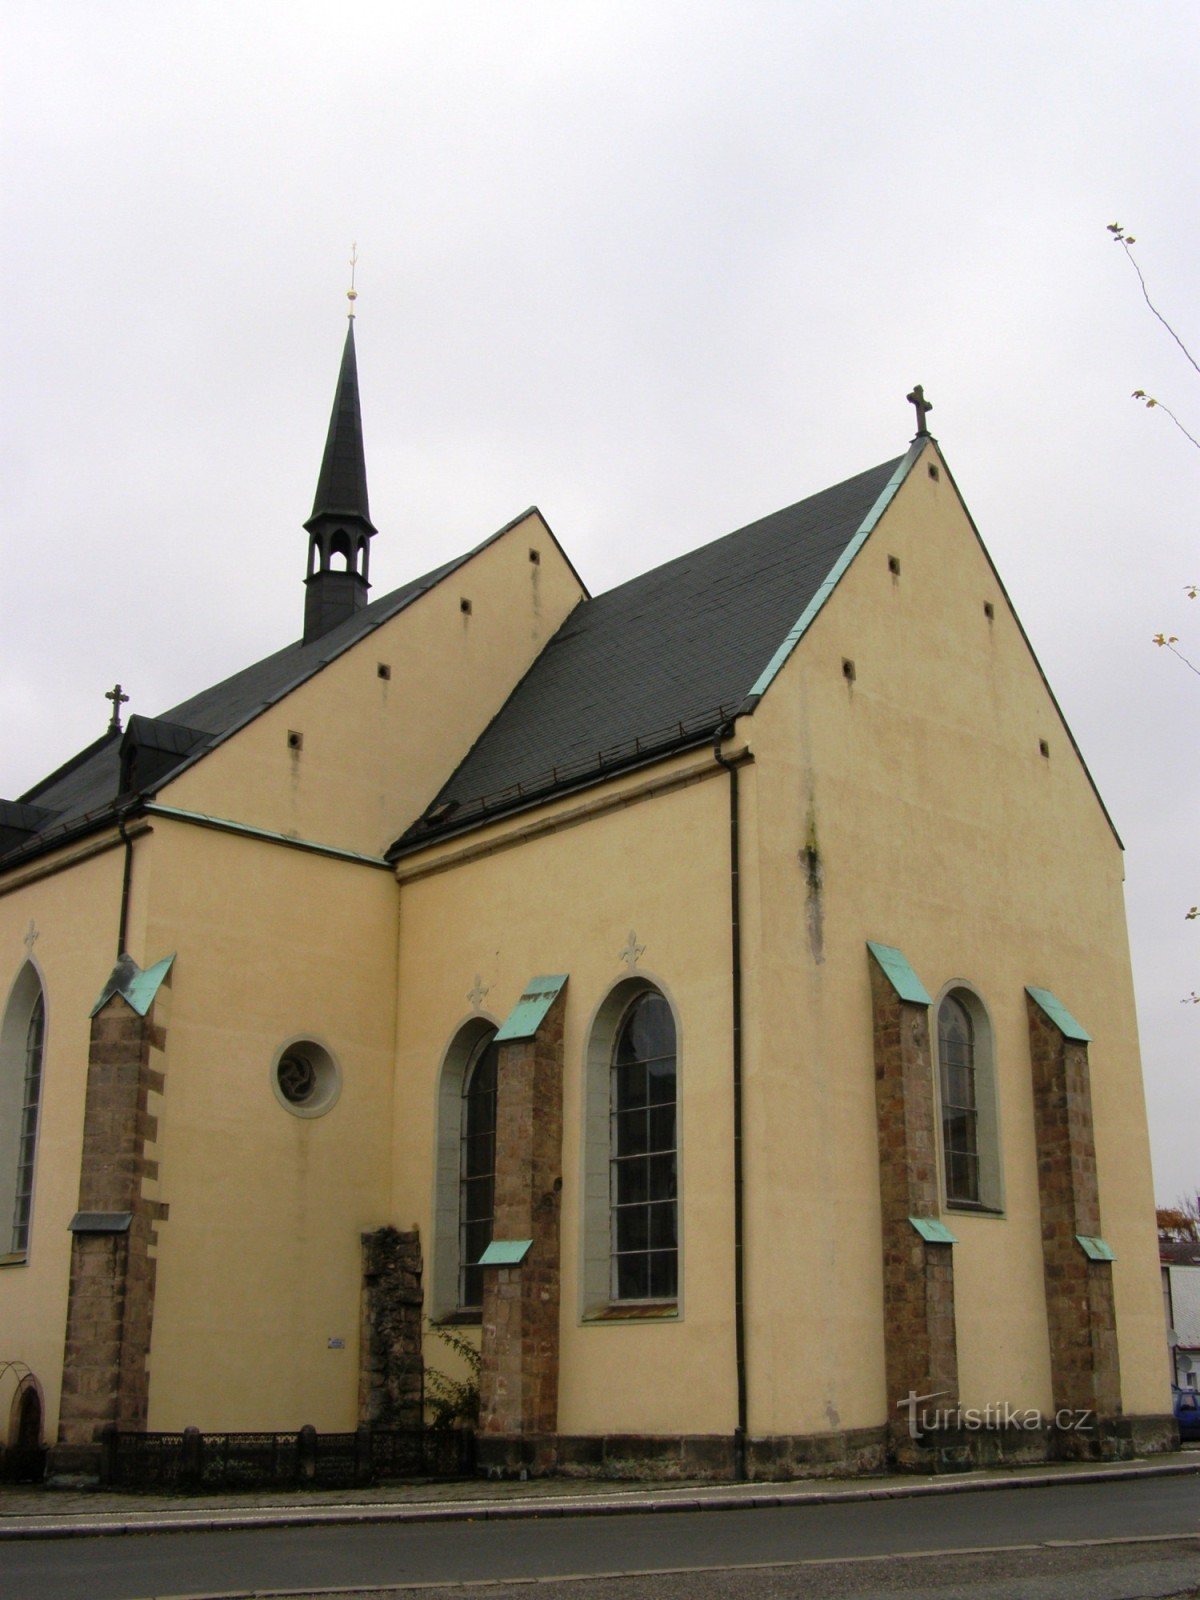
x=192, y=1462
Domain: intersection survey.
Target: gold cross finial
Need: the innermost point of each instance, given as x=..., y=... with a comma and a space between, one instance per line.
x=352, y=292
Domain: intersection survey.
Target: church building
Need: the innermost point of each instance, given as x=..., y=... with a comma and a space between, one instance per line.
x=712, y=996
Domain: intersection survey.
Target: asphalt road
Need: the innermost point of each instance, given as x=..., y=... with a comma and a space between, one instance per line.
x=389, y=1556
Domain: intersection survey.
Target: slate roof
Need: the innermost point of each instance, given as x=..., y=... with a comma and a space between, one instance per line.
x=84, y=790
x=651, y=667
x=656, y=664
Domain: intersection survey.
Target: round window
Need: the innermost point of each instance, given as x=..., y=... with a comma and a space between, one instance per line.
x=305, y=1077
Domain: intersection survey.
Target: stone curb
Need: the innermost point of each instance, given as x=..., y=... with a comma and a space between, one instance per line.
x=227, y=1519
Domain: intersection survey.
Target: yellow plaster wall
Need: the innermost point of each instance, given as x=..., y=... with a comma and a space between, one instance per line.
x=376, y=751
x=941, y=828
x=566, y=902
x=938, y=826
x=75, y=915
x=259, y=1261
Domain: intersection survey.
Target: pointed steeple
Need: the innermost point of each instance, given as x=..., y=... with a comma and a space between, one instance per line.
x=342, y=486
x=340, y=527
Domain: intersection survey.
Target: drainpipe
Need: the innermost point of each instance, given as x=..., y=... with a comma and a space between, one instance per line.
x=125, y=882
x=735, y=930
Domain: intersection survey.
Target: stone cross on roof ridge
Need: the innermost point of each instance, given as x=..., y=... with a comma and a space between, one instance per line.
x=118, y=700
x=917, y=399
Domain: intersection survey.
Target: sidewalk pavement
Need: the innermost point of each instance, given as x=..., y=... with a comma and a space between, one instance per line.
x=38, y=1513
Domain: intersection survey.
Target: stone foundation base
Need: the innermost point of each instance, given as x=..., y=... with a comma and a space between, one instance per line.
x=851, y=1453
x=669, y=1458
x=961, y=1449
x=616, y=1455
x=856, y=1452
x=73, y=1464
x=1150, y=1434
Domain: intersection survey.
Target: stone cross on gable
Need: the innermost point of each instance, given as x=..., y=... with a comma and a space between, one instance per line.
x=632, y=951
x=118, y=700
x=924, y=407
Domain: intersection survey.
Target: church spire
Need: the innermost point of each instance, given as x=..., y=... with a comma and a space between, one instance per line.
x=340, y=527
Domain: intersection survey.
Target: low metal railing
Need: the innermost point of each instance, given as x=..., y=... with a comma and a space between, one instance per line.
x=191, y=1461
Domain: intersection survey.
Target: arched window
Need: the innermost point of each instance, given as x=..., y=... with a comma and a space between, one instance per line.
x=22, y=1053
x=967, y=1090
x=464, y=1173
x=339, y=552
x=643, y=1154
x=960, y=1113
x=477, y=1168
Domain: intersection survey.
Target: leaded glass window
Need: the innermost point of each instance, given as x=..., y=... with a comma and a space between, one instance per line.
x=644, y=1158
x=477, y=1171
x=27, y=1138
x=960, y=1101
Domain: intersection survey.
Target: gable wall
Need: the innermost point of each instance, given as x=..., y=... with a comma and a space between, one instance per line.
x=938, y=827
x=259, y=1259
x=375, y=752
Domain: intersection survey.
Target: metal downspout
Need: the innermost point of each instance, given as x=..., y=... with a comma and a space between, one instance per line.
x=122, y=928
x=735, y=929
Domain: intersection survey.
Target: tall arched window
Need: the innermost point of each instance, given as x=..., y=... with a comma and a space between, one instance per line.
x=967, y=1090
x=22, y=1054
x=960, y=1112
x=477, y=1168
x=464, y=1171
x=643, y=1154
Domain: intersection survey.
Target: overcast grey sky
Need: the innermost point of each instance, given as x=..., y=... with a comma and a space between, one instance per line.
x=658, y=267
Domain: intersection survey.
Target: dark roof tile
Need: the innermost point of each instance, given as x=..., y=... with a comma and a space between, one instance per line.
x=659, y=661
x=86, y=787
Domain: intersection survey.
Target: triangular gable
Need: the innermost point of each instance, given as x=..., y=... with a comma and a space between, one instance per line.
x=580, y=713
x=656, y=665
x=903, y=467
x=83, y=792
x=1012, y=611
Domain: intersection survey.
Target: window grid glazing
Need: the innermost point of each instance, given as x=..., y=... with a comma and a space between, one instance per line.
x=643, y=1155
x=960, y=1109
x=477, y=1172
x=30, y=1101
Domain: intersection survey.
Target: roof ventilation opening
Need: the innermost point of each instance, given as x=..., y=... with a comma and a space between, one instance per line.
x=295, y=740
x=535, y=556
x=1044, y=747
x=933, y=472
x=894, y=566
x=464, y=605
x=438, y=812
x=989, y=610
x=383, y=671
x=848, y=671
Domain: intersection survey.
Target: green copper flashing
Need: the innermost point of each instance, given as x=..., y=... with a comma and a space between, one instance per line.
x=246, y=831
x=527, y=1016
x=899, y=974
x=1094, y=1248
x=933, y=1231
x=506, y=1252
x=1058, y=1014
x=100, y=1222
x=135, y=986
x=830, y=583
